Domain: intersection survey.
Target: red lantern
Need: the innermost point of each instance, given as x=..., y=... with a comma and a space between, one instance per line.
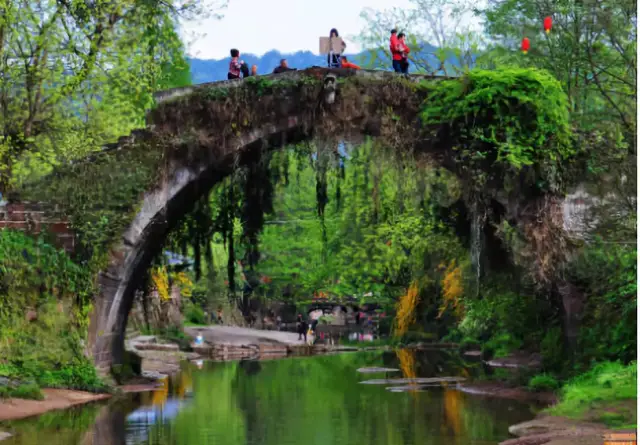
x=547, y=24
x=525, y=45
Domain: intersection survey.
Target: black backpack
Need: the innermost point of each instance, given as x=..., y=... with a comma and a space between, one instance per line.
x=244, y=68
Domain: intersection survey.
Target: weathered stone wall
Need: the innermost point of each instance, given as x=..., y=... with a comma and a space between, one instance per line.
x=159, y=314
x=37, y=218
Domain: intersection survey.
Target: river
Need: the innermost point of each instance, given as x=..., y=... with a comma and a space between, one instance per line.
x=316, y=400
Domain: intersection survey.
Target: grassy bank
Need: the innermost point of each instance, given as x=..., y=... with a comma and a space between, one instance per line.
x=606, y=393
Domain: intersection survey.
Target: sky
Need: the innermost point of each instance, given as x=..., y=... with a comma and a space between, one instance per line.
x=258, y=26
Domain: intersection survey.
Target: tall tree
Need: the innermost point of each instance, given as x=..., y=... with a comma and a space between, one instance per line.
x=441, y=34
x=78, y=73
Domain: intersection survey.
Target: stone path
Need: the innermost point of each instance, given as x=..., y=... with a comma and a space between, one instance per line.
x=234, y=335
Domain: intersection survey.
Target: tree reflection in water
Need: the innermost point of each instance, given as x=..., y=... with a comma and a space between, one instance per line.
x=311, y=400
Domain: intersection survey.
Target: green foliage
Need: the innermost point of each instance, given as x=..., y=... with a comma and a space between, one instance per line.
x=98, y=86
x=500, y=345
x=468, y=344
x=552, y=349
x=598, y=77
x=100, y=195
x=506, y=118
x=194, y=314
x=81, y=375
x=543, y=382
x=504, y=307
x=607, y=275
x=24, y=391
x=604, y=383
x=34, y=273
x=175, y=334
x=36, y=276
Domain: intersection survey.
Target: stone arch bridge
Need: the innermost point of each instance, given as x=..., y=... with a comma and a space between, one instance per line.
x=129, y=196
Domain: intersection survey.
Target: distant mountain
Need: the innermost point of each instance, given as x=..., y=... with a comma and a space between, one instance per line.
x=207, y=70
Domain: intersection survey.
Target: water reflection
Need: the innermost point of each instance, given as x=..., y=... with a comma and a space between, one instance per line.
x=310, y=400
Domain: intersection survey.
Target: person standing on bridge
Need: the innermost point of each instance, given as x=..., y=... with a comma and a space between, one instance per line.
x=396, y=58
x=235, y=65
x=282, y=68
x=404, y=54
x=334, y=59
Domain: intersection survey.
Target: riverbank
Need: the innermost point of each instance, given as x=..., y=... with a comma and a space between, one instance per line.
x=601, y=401
x=557, y=430
x=54, y=399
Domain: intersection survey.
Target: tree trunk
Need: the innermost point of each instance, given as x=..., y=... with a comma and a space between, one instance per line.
x=573, y=306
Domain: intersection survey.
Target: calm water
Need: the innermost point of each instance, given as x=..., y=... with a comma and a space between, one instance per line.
x=306, y=400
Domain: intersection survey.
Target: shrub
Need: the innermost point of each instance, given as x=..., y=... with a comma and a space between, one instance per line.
x=80, y=375
x=176, y=335
x=608, y=277
x=501, y=345
x=194, y=314
x=467, y=344
x=543, y=382
x=29, y=391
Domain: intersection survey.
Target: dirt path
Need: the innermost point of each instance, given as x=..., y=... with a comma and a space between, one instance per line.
x=234, y=335
x=12, y=409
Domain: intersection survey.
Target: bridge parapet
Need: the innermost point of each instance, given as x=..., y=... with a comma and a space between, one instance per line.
x=315, y=72
x=38, y=218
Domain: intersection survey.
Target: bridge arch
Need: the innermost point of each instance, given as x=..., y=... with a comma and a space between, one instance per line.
x=267, y=112
x=198, y=135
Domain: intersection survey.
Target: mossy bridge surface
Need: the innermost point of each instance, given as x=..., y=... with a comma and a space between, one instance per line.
x=122, y=202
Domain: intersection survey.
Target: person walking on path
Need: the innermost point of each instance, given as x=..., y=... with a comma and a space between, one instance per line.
x=333, y=59
x=219, y=316
x=302, y=328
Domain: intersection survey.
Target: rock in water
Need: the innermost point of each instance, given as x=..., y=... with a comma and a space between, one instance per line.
x=410, y=388
x=417, y=381
x=374, y=369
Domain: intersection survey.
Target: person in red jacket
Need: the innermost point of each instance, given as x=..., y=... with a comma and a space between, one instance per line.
x=396, y=58
x=404, y=51
x=346, y=64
